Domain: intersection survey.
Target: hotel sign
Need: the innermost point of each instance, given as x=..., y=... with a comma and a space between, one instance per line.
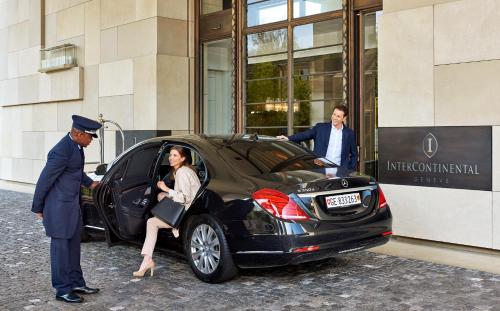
x=447, y=157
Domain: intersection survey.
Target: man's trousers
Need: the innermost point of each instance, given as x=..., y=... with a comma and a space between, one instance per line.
x=65, y=263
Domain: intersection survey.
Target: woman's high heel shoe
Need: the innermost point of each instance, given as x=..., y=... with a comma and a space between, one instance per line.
x=140, y=273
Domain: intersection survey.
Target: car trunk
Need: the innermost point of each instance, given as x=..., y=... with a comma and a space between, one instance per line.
x=312, y=188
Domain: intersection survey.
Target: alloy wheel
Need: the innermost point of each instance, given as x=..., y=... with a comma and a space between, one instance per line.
x=205, y=249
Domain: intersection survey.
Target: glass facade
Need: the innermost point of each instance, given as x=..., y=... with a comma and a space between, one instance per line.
x=278, y=67
x=293, y=71
x=267, y=82
x=317, y=72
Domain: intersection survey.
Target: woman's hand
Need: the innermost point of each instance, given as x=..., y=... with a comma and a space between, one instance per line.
x=161, y=184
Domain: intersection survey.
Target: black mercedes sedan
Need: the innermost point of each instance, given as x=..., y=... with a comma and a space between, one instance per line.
x=263, y=202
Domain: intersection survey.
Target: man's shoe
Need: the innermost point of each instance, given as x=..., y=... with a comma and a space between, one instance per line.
x=85, y=290
x=71, y=298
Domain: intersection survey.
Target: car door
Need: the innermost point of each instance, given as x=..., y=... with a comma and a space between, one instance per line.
x=124, y=197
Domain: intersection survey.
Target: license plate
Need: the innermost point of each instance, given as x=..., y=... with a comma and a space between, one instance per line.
x=342, y=200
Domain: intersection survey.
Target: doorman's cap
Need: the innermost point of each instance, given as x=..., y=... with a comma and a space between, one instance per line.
x=86, y=125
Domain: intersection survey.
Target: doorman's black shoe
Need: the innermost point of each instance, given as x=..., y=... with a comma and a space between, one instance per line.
x=85, y=290
x=71, y=298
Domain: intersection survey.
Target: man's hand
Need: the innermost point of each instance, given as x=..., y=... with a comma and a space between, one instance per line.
x=282, y=137
x=39, y=215
x=94, y=185
x=318, y=162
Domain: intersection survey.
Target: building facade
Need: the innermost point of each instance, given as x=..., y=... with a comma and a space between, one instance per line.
x=160, y=67
x=437, y=69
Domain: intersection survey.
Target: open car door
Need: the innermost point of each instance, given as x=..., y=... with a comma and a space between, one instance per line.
x=125, y=195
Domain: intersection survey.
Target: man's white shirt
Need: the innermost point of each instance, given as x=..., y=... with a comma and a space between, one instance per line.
x=335, y=145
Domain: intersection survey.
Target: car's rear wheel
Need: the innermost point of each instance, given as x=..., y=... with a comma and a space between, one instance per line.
x=207, y=250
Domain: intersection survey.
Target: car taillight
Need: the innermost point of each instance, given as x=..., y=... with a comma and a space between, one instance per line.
x=381, y=198
x=279, y=204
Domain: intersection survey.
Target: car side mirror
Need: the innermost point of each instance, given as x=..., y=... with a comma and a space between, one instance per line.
x=101, y=169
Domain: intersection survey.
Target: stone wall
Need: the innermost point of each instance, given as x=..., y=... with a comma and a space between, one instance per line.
x=135, y=66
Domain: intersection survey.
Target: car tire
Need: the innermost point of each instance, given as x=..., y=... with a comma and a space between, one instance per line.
x=84, y=236
x=201, y=256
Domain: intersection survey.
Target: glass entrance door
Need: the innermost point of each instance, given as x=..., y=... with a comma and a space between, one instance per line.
x=215, y=70
x=217, y=107
x=368, y=92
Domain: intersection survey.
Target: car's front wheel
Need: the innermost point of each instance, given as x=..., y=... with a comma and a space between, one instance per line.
x=207, y=250
x=84, y=236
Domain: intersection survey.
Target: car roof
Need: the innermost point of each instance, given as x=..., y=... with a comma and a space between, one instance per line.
x=199, y=140
x=221, y=140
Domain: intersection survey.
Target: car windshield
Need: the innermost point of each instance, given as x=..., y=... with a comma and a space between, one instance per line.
x=270, y=156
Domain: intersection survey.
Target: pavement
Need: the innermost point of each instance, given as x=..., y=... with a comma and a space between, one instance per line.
x=359, y=281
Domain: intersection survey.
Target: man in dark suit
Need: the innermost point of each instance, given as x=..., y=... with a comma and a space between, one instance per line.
x=57, y=202
x=332, y=140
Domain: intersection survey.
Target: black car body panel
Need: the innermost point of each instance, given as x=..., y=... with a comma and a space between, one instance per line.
x=232, y=169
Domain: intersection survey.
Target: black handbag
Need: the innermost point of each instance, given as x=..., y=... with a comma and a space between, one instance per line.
x=169, y=211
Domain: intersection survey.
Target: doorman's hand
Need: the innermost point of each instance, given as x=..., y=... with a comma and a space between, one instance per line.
x=94, y=184
x=39, y=215
x=282, y=137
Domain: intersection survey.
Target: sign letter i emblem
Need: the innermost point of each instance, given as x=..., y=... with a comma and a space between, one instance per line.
x=430, y=145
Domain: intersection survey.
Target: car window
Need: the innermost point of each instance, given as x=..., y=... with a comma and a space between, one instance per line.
x=194, y=159
x=140, y=163
x=262, y=157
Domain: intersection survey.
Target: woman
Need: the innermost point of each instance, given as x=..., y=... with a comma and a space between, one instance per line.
x=185, y=188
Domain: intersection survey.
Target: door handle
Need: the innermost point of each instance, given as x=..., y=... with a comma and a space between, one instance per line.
x=216, y=28
x=136, y=201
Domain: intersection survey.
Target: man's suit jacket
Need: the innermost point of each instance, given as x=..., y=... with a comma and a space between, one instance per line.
x=321, y=135
x=57, y=192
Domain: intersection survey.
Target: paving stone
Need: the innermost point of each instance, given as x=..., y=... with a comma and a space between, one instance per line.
x=360, y=281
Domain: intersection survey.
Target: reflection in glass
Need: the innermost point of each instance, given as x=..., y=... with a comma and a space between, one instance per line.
x=260, y=68
x=211, y=6
x=267, y=91
x=265, y=43
x=268, y=114
x=311, y=7
x=307, y=63
x=317, y=87
x=266, y=82
x=318, y=111
x=317, y=77
x=217, y=81
x=261, y=12
x=316, y=35
x=369, y=89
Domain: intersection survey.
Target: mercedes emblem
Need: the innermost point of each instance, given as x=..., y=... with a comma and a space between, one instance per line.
x=344, y=183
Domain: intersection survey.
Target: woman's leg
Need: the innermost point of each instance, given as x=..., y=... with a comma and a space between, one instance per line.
x=149, y=243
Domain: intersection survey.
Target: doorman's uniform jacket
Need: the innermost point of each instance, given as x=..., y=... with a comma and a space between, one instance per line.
x=57, y=192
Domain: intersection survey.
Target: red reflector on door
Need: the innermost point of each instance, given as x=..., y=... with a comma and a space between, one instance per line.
x=305, y=249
